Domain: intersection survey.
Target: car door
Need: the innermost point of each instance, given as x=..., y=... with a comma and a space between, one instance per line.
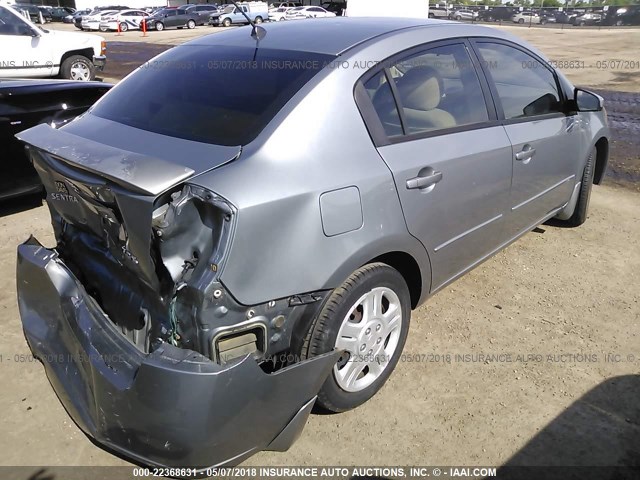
x=25, y=50
x=449, y=156
x=545, y=140
x=171, y=19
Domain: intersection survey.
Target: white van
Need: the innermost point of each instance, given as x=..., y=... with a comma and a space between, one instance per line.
x=27, y=50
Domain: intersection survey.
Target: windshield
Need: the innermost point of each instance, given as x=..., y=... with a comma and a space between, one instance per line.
x=229, y=99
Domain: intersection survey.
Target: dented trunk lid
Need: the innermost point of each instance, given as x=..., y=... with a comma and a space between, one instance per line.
x=103, y=179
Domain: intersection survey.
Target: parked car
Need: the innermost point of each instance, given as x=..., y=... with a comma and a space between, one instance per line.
x=568, y=17
x=276, y=5
x=26, y=103
x=208, y=287
x=526, y=17
x=463, y=15
x=77, y=19
x=30, y=51
x=336, y=7
x=629, y=15
x=171, y=18
x=232, y=15
x=37, y=13
x=58, y=14
x=92, y=21
x=496, y=14
x=308, y=12
x=126, y=19
x=278, y=14
x=589, y=18
x=548, y=17
x=202, y=12
x=441, y=13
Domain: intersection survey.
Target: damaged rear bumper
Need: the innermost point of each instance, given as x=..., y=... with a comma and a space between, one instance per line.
x=173, y=407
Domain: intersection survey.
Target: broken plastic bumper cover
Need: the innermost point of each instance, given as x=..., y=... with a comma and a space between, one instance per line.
x=172, y=407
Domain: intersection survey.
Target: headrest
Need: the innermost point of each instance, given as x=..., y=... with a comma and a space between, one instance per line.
x=420, y=88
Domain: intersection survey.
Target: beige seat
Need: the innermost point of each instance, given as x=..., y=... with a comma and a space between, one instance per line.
x=421, y=91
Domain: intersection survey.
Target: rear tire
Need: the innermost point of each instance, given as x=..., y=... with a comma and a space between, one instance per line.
x=191, y=24
x=123, y=27
x=582, y=206
x=521, y=21
x=258, y=20
x=368, y=317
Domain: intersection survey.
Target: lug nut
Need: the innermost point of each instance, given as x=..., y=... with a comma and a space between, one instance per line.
x=367, y=331
x=362, y=348
x=379, y=340
x=378, y=327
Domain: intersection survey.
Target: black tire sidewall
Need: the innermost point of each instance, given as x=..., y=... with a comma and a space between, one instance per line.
x=326, y=327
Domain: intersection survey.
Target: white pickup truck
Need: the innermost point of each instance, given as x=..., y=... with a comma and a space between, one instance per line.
x=27, y=50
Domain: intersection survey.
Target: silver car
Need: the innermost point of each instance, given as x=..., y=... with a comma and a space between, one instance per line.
x=232, y=253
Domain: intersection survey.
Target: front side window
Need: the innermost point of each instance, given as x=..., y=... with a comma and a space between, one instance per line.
x=231, y=95
x=525, y=86
x=10, y=24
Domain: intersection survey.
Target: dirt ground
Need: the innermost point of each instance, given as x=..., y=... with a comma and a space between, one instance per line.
x=533, y=358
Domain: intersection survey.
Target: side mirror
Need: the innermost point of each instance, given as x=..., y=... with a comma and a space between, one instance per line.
x=586, y=101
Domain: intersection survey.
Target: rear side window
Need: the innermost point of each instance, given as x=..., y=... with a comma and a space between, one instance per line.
x=525, y=86
x=217, y=95
x=439, y=89
x=436, y=89
x=381, y=96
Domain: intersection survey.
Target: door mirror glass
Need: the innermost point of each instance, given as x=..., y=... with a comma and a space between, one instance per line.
x=587, y=101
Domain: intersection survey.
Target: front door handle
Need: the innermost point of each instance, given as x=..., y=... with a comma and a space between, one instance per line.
x=527, y=153
x=424, y=181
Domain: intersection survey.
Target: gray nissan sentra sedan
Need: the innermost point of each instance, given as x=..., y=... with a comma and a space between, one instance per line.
x=245, y=223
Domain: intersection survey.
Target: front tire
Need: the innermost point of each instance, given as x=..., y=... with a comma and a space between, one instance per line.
x=582, y=205
x=367, y=317
x=123, y=27
x=226, y=22
x=191, y=24
x=258, y=20
x=79, y=68
x=159, y=26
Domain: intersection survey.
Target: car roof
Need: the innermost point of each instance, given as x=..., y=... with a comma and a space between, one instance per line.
x=330, y=36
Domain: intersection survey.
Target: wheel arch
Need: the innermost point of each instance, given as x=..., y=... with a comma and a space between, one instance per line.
x=602, y=159
x=85, y=52
x=408, y=267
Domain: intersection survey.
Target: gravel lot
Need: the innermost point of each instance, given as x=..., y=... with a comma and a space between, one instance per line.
x=532, y=358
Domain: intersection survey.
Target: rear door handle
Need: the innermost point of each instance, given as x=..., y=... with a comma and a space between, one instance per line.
x=527, y=153
x=425, y=181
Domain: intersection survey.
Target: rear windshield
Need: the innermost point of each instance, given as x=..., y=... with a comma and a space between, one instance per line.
x=211, y=94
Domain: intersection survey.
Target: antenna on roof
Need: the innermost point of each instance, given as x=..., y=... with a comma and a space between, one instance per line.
x=257, y=32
